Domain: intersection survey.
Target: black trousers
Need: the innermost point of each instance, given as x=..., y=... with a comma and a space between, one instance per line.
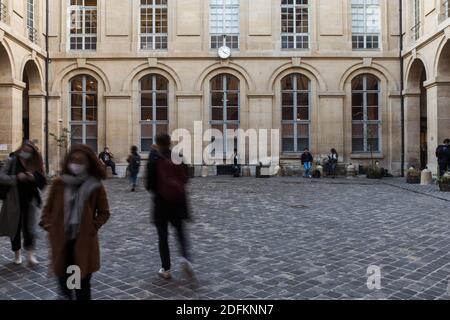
x=163, y=235
x=443, y=167
x=111, y=164
x=84, y=293
x=29, y=240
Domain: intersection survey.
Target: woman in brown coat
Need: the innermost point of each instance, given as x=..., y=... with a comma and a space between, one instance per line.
x=76, y=208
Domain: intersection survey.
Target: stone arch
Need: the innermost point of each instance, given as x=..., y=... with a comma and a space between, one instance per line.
x=6, y=63
x=218, y=68
x=414, y=72
x=303, y=68
x=374, y=69
x=32, y=69
x=144, y=69
x=72, y=70
x=442, y=60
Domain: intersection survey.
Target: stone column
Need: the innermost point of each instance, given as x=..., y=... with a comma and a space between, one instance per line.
x=412, y=128
x=37, y=119
x=11, y=134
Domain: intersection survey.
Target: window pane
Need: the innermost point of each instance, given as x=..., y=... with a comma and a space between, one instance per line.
x=358, y=145
x=76, y=131
x=288, y=99
x=302, y=130
x=146, y=114
x=372, y=99
x=217, y=83
x=288, y=144
x=303, y=99
x=146, y=131
x=162, y=113
x=146, y=83
x=232, y=83
x=357, y=113
x=217, y=114
x=233, y=114
x=161, y=100
x=357, y=100
x=76, y=100
x=146, y=99
x=302, y=114
x=302, y=82
x=287, y=113
x=91, y=114
x=372, y=114
x=77, y=114
x=91, y=131
x=91, y=100
x=287, y=130
x=357, y=83
x=232, y=99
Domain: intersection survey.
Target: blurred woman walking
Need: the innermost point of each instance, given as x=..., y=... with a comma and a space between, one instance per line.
x=21, y=178
x=134, y=165
x=77, y=207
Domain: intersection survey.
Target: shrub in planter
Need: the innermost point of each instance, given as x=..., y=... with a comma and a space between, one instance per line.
x=444, y=182
x=413, y=176
x=374, y=172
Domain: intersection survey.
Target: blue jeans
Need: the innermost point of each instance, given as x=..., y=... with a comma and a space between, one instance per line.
x=133, y=179
x=307, y=166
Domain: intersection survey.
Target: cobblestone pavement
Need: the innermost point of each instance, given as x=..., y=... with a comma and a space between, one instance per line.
x=280, y=238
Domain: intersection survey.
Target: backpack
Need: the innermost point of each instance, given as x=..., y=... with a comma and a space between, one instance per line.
x=4, y=189
x=171, y=179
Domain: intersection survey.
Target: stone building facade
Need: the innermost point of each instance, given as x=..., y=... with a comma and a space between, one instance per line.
x=325, y=72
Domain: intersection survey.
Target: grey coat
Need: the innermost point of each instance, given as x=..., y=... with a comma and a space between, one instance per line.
x=10, y=211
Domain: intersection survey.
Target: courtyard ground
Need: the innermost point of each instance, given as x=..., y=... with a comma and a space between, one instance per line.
x=279, y=238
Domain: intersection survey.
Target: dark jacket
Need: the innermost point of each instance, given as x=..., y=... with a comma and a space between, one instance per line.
x=105, y=155
x=443, y=153
x=134, y=165
x=162, y=209
x=306, y=157
x=22, y=198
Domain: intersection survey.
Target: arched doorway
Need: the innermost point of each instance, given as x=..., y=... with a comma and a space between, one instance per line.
x=32, y=104
x=440, y=91
x=416, y=115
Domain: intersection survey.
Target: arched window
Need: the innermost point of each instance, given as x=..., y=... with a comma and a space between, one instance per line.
x=83, y=110
x=366, y=114
x=225, y=105
x=154, y=93
x=295, y=112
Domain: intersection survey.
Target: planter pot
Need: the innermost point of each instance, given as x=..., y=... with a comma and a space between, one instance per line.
x=444, y=187
x=413, y=180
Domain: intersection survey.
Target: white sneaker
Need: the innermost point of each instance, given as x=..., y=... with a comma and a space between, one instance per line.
x=17, y=258
x=165, y=274
x=32, y=261
x=187, y=268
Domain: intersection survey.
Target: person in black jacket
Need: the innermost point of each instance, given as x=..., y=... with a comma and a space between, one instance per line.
x=166, y=210
x=307, y=160
x=333, y=158
x=443, y=156
x=134, y=165
x=107, y=158
x=24, y=173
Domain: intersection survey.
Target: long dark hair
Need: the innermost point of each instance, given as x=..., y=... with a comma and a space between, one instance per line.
x=36, y=163
x=96, y=168
x=333, y=151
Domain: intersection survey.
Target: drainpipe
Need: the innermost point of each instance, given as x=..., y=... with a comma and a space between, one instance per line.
x=47, y=61
x=402, y=97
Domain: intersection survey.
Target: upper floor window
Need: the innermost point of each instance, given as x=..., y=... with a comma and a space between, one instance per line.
x=83, y=24
x=153, y=25
x=446, y=9
x=31, y=30
x=415, y=30
x=294, y=24
x=366, y=114
x=366, y=24
x=224, y=23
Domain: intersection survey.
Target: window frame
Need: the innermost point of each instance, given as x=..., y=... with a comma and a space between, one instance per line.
x=228, y=38
x=295, y=122
x=80, y=12
x=366, y=34
x=83, y=122
x=224, y=93
x=295, y=6
x=366, y=122
x=153, y=6
x=154, y=122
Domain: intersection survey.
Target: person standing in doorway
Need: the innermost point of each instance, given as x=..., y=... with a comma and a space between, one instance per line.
x=333, y=158
x=167, y=180
x=134, y=165
x=443, y=156
x=107, y=158
x=307, y=160
x=23, y=175
x=76, y=208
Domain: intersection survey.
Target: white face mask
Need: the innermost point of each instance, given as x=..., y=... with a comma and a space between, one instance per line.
x=25, y=155
x=77, y=169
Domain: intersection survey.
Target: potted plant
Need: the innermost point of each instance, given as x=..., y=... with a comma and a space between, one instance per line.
x=413, y=176
x=444, y=182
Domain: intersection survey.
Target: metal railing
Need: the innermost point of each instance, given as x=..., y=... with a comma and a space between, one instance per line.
x=3, y=12
x=416, y=32
x=32, y=34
